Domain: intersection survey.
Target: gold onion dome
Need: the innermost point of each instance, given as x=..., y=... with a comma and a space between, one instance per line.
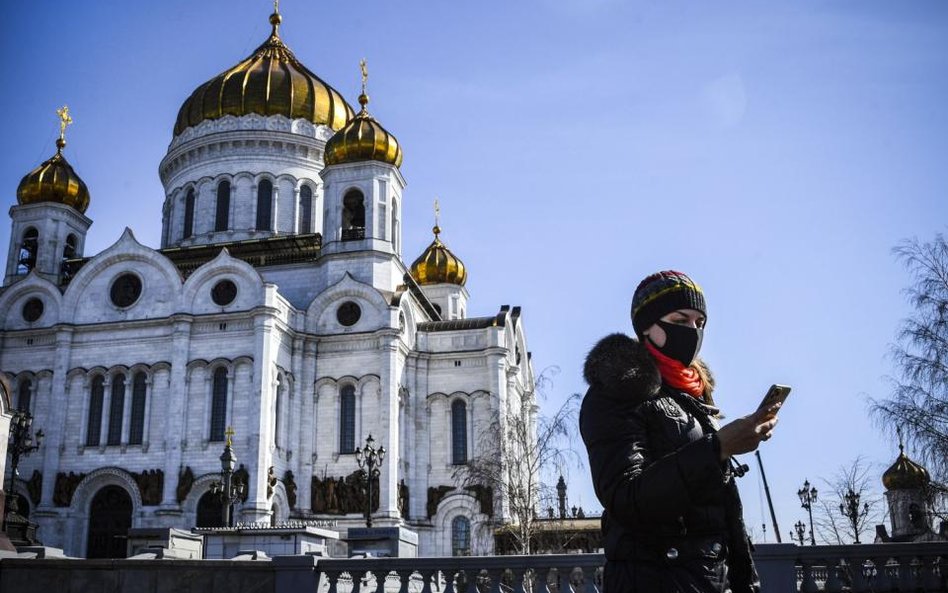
x=905, y=474
x=55, y=180
x=437, y=265
x=363, y=139
x=271, y=81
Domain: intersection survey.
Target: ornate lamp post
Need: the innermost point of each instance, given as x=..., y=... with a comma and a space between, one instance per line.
x=850, y=509
x=227, y=489
x=22, y=443
x=807, y=498
x=369, y=461
x=799, y=532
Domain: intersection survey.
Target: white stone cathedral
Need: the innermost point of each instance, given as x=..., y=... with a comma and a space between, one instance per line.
x=278, y=304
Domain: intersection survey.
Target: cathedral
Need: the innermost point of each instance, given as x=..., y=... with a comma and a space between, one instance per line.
x=278, y=308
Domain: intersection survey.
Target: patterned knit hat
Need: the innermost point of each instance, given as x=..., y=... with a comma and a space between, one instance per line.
x=662, y=293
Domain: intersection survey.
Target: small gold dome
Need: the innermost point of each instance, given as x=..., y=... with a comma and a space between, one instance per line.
x=905, y=474
x=54, y=181
x=437, y=265
x=363, y=139
x=271, y=81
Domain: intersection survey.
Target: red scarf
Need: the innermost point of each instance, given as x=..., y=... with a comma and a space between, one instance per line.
x=676, y=375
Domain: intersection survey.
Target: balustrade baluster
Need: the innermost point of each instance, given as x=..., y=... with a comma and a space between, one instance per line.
x=404, y=579
x=540, y=582
x=809, y=582
x=929, y=574
x=426, y=576
x=835, y=571
x=332, y=577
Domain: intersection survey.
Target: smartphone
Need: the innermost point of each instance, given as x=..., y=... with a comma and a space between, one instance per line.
x=776, y=393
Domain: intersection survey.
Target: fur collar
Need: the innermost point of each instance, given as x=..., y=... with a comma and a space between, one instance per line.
x=623, y=366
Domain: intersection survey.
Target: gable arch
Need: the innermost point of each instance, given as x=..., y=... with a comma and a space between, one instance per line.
x=321, y=314
x=196, y=292
x=161, y=284
x=34, y=285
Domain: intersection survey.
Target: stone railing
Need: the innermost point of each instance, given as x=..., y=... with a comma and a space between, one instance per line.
x=472, y=574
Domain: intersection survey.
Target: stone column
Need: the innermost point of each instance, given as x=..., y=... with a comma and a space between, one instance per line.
x=176, y=424
x=257, y=456
x=55, y=433
x=307, y=427
x=388, y=412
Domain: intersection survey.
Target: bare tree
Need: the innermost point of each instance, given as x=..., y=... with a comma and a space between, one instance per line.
x=919, y=402
x=515, y=451
x=832, y=524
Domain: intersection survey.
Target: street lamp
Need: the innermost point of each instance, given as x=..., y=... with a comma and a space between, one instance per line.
x=850, y=509
x=22, y=443
x=807, y=498
x=799, y=532
x=227, y=489
x=369, y=461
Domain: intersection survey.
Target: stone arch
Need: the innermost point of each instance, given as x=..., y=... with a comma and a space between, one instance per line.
x=461, y=503
x=280, y=504
x=321, y=318
x=201, y=486
x=86, y=491
x=14, y=297
x=195, y=294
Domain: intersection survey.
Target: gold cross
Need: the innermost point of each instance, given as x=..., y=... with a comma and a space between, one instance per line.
x=276, y=6
x=365, y=73
x=64, y=120
x=437, y=211
x=229, y=432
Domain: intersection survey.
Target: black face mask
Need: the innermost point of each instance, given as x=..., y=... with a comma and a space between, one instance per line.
x=681, y=342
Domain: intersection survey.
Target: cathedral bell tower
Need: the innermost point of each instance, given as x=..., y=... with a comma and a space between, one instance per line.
x=49, y=222
x=363, y=186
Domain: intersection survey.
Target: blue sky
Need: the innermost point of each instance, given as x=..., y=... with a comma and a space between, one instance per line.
x=774, y=151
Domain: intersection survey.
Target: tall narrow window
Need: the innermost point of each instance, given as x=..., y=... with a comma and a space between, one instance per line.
x=94, y=426
x=383, y=220
x=188, y=215
x=353, y=216
x=458, y=432
x=116, y=410
x=347, y=419
x=24, y=395
x=69, y=252
x=277, y=411
x=221, y=220
x=396, y=240
x=218, y=404
x=28, y=248
x=264, y=205
x=460, y=537
x=306, y=209
x=136, y=432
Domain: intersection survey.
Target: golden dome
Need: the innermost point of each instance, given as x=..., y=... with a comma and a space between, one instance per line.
x=437, y=265
x=271, y=81
x=905, y=474
x=363, y=139
x=54, y=181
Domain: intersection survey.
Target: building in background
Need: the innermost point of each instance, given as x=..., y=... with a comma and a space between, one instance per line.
x=279, y=304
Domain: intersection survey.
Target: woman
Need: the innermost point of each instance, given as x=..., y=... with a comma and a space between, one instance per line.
x=661, y=467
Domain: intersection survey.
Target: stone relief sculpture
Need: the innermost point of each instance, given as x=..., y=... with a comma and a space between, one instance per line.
x=342, y=496
x=435, y=495
x=185, y=482
x=271, y=482
x=35, y=487
x=65, y=487
x=290, y=484
x=151, y=483
x=403, y=508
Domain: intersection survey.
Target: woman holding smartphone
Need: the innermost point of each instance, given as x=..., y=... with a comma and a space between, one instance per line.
x=660, y=465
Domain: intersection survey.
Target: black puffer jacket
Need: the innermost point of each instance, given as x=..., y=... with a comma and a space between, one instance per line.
x=673, y=518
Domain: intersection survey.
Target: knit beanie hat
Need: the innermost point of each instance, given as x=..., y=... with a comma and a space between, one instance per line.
x=660, y=294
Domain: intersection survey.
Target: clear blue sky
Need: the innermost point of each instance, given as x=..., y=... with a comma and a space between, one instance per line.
x=774, y=151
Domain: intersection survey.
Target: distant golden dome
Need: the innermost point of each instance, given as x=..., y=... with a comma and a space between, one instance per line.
x=363, y=139
x=54, y=181
x=271, y=81
x=437, y=265
x=905, y=474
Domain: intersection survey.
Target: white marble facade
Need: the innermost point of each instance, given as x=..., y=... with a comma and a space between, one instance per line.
x=278, y=346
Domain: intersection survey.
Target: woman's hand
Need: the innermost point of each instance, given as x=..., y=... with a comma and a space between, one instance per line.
x=745, y=434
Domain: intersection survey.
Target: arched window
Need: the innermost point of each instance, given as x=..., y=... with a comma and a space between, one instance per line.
x=210, y=511
x=218, y=404
x=264, y=204
x=24, y=394
x=347, y=419
x=188, y=215
x=116, y=410
x=136, y=432
x=69, y=252
x=458, y=432
x=460, y=536
x=306, y=209
x=353, y=216
x=28, y=250
x=222, y=219
x=94, y=425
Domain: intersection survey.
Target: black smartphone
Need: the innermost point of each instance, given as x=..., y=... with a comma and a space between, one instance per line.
x=776, y=393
